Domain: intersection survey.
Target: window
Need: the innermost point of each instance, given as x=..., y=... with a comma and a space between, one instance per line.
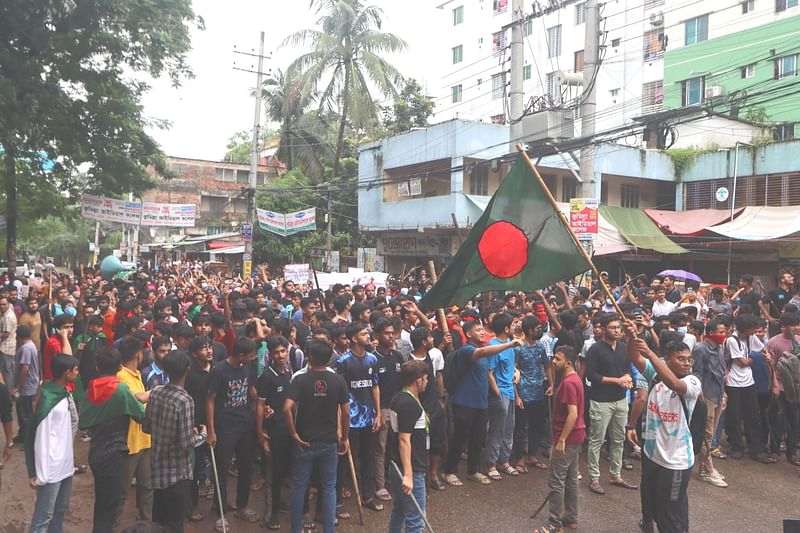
x=498, y=86
x=653, y=45
x=569, y=188
x=783, y=5
x=528, y=27
x=614, y=92
x=748, y=6
x=458, y=54
x=629, y=196
x=498, y=119
x=652, y=97
x=785, y=67
x=693, y=91
x=579, y=61
x=214, y=230
x=455, y=90
x=615, y=42
x=242, y=176
x=783, y=132
x=479, y=182
x=580, y=13
x=500, y=6
x=696, y=30
x=526, y=72
x=749, y=71
x=498, y=41
x=551, y=85
x=554, y=41
x=458, y=15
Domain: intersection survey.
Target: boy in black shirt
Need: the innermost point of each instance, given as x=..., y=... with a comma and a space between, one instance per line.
x=271, y=427
x=410, y=426
x=197, y=381
x=315, y=411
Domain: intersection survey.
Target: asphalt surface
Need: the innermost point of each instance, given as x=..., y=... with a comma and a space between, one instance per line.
x=758, y=499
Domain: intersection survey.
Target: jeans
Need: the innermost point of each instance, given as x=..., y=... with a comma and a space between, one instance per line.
x=139, y=465
x=404, y=512
x=24, y=414
x=664, y=497
x=380, y=451
x=530, y=429
x=784, y=421
x=200, y=474
x=611, y=416
x=52, y=502
x=469, y=427
x=563, y=483
x=718, y=430
x=320, y=456
x=108, y=475
x=501, y=430
x=743, y=407
x=170, y=505
x=241, y=443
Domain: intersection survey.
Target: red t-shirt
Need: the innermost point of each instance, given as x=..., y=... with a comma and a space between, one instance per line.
x=51, y=348
x=570, y=392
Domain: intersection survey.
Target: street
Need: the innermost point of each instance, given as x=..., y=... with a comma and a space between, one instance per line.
x=758, y=499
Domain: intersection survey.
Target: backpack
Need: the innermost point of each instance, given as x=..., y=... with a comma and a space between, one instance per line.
x=788, y=368
x=452, y=374
x=697, y=422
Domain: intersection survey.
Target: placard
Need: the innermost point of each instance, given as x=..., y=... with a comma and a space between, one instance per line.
x=584, y=218
x=299, y=273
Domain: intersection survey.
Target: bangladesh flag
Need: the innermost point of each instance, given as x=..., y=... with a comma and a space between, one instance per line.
x=519, y=243
x=107, y=398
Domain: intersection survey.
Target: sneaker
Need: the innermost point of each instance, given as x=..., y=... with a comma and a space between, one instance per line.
x=715, y=480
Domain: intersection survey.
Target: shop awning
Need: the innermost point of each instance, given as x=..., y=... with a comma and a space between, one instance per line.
x=761, y=224
x=608, y=241
x=692, y=222
x=639, y=230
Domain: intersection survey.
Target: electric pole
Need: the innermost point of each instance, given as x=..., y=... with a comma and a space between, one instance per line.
x=255, y=155
x=516, y=94
x=591, y=59
x=329, y=242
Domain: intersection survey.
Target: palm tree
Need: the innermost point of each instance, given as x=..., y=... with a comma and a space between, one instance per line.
x=346, y=55
x=302, y=137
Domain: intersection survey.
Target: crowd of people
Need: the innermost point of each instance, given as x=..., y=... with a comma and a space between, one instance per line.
x=180, y=378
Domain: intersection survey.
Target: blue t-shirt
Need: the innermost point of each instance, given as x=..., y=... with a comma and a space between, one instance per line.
x=531, y=361
x=760, y=373
x=361, y=375
x=503, y=366
x=473, y=387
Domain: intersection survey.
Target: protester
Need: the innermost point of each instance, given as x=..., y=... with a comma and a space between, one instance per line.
x=26, y=380
x=499, y=438
x=8, y=339
x=389, y=361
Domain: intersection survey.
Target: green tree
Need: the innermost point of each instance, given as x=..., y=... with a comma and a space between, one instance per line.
x=346, y=57
x=303, y=136
x=410, y=109
x=70, y=94
x=239, y=144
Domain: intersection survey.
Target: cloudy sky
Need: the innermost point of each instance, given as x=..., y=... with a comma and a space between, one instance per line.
x=207, y=110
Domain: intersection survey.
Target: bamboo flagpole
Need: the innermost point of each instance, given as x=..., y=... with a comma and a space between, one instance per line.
x=565, y=222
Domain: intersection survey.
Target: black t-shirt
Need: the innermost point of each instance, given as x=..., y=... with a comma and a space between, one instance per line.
x=673, y=295
x=303, y=333
x=430, y=396
x=409, y=417
x=318, y=395
x=218, y=351
x=231, y=386
x=272, y=388
x=751, y=298
x=778, y=298
x=197, y=383
x=389, y=375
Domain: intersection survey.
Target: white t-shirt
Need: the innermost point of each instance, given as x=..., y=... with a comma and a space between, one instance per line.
x=666, y=435
x=53, y=446
x=664, y=309
x=437, y=358
x=741, y=376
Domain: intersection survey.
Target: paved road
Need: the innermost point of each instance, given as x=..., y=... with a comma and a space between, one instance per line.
x=758, y=499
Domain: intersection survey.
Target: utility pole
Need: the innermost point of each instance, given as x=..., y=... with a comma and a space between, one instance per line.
x=96, y=243
x=591, y=59
x=255, y=154
x=516, y=94
x=329, y=242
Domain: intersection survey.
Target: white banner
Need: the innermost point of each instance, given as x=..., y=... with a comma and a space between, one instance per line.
x=122, y=211
x=329, y=279
x=299, y=273
x=289, y=223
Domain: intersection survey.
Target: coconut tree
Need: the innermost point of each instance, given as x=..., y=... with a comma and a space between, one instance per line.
x=345, y=58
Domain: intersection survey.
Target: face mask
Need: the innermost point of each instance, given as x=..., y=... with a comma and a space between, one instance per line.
x=682, y=330
x=718, y=338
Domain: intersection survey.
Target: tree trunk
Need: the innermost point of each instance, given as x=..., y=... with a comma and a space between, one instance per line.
x=342, y=122
x=288, y=139
x=10, y=175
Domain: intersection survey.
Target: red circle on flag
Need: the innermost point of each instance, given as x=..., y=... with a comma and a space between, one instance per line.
x=503, y=249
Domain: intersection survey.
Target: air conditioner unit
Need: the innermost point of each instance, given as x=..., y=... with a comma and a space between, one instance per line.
x=552, y=124
x=657, y=19
x=713, y=91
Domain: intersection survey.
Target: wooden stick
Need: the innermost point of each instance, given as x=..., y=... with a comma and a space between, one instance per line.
x=355, y=485
x=440, y=311
x=565, y=223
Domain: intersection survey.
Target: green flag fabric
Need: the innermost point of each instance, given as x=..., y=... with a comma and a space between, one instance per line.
x=519, y=243
x=49, y=396
x=107, y=398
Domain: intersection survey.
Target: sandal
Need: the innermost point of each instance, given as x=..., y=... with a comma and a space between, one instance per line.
x=549, y=528
x=341, y=513
x=383, y=495
x=273, y=523
x=436, y=484
x=494, y=475
x=509, y=471
x=480, y=478
x=521, y=468
x=218, y=527
x=452, y=480
x=247, y=515
x=195, y=517
x=536, y=463
x=373, y=505
x=793, y=460
x=571, y=525
x=309, y=524
x=81, y=469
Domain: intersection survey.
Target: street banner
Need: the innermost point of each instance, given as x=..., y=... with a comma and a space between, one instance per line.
x=299, y=273
x=125, y=212
x=583, y=217
x=289, y=223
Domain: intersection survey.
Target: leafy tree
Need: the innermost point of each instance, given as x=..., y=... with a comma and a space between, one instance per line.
x=239, y=144
x=70, y=94
x=410, y=109
x=346, y=57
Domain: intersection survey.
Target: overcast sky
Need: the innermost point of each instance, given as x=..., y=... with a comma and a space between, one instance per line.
x=207, y=110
